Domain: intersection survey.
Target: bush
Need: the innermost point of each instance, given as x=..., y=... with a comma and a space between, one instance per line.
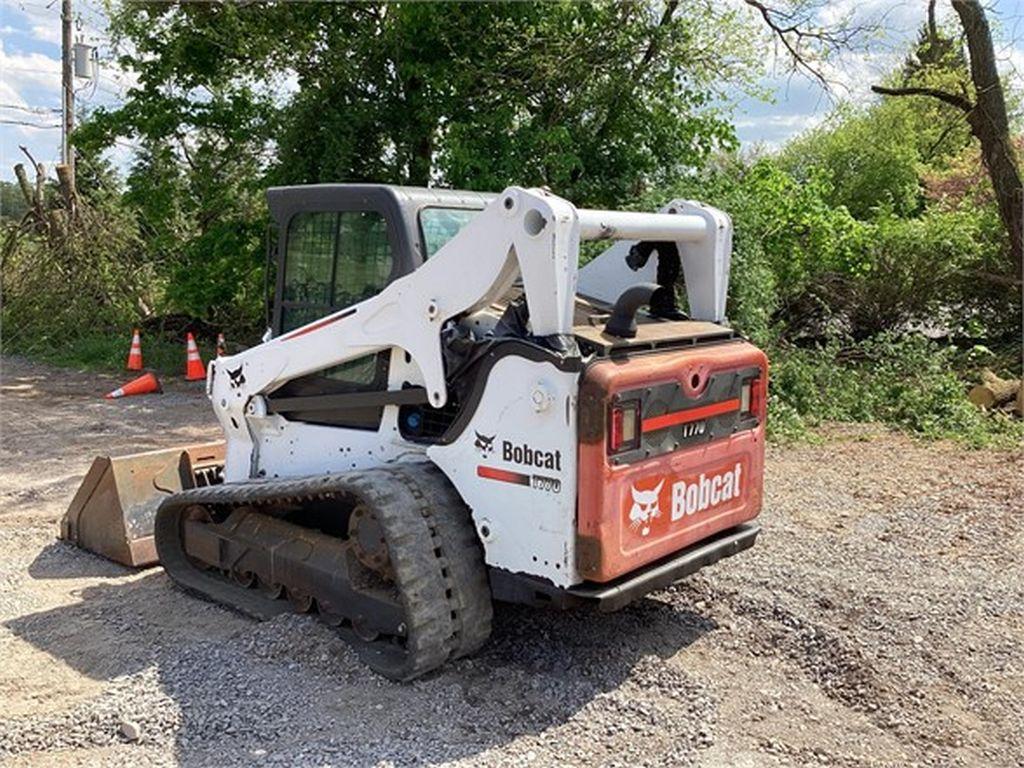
x=805, y=269
x=914, y=273
x=218, y=277
x=64, y=280
x=73, y=289
x=869, y=156
x=906, y=382
x=785, y=237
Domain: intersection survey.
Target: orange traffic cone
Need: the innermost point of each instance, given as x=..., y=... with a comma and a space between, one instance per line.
x=143, y=385
x=220, y=345
x=135, y=354
x=194, y=368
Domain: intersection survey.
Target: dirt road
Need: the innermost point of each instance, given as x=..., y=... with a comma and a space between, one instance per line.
x=879, y=621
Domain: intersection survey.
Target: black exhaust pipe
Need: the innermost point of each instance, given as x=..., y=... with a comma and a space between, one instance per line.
x=622, y=323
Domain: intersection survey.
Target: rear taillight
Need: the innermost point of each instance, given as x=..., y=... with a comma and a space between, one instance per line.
x=750, y=397
x=624, y=427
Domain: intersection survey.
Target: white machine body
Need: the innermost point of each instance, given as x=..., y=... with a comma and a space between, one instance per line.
x=515, y=462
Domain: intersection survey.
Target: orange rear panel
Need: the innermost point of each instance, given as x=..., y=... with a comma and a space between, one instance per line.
x=634, y=513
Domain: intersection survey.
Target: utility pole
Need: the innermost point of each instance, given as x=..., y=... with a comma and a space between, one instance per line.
x=67, y=88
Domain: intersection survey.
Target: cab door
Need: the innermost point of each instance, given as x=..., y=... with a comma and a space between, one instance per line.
x=333, y=252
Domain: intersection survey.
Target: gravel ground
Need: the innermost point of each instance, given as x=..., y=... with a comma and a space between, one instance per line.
x=879, y=621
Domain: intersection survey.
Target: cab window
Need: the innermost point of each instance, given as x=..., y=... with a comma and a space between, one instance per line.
x=364, y=258
x=439, y=225
x=333, y=259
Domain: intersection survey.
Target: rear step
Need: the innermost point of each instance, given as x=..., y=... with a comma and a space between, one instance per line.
x=617, y=594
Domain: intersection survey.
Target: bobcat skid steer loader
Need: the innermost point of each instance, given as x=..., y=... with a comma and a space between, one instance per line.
x=447, y=411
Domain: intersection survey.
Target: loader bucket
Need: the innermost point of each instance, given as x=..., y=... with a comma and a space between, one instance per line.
x=113, y=510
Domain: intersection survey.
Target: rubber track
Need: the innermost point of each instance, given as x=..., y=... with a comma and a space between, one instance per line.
x=405, y=517
x=436, y=557
x=471, y=589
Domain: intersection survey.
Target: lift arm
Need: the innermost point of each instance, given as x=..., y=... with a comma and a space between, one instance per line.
x=702, y=234
x=527, y=232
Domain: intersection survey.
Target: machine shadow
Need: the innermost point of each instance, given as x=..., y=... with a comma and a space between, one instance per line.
x=291, y=687
x=61, y=560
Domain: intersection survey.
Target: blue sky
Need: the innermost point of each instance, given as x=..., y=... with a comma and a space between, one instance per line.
x=30, y=76
x=30, y=72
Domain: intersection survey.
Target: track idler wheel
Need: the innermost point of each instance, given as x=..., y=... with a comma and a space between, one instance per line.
x=431, y=556
x=369, y=544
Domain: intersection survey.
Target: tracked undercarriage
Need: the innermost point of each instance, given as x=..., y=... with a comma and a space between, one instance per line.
x=389, y=556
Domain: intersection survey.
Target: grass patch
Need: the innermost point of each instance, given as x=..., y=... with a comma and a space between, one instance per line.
x=103, y=352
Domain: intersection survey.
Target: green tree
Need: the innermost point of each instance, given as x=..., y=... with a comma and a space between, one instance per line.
x=972, y=87
x=870, y=155
x=12, y=202
x=595, y=100
x=599, y=101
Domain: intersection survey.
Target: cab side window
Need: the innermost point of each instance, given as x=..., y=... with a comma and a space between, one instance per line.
x=333, y=259
x=439, y=225
x=364, y=259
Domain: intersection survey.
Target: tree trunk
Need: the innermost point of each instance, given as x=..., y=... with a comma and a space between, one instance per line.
x=989, y=123
x=33, y=195
x=26, y=187
x=66, y=180
x=994, y=391
x=420, y=135
x=421, y=158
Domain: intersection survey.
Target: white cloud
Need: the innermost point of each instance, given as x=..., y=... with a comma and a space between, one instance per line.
x=30, y=77
x=27, y=71
x=30, y=80
x=46, y=33
x=797, y=121
x=905, y=14
x=800, y=103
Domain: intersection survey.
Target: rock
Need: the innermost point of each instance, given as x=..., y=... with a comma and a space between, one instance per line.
x=130, y=730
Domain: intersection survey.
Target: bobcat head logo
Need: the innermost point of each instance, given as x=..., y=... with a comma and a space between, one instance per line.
x=645, y=508
x=237, y=377
x=484, y=444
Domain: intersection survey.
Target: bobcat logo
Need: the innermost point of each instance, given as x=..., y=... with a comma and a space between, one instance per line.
x=645, y=508
x=484, y=444
x=237, y=377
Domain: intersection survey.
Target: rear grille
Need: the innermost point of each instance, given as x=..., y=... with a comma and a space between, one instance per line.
x=672, y=418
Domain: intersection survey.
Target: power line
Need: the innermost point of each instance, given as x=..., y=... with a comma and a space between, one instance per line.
x=33, y=110
x=39, y=11
x=6, y=121
x=33, y=70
